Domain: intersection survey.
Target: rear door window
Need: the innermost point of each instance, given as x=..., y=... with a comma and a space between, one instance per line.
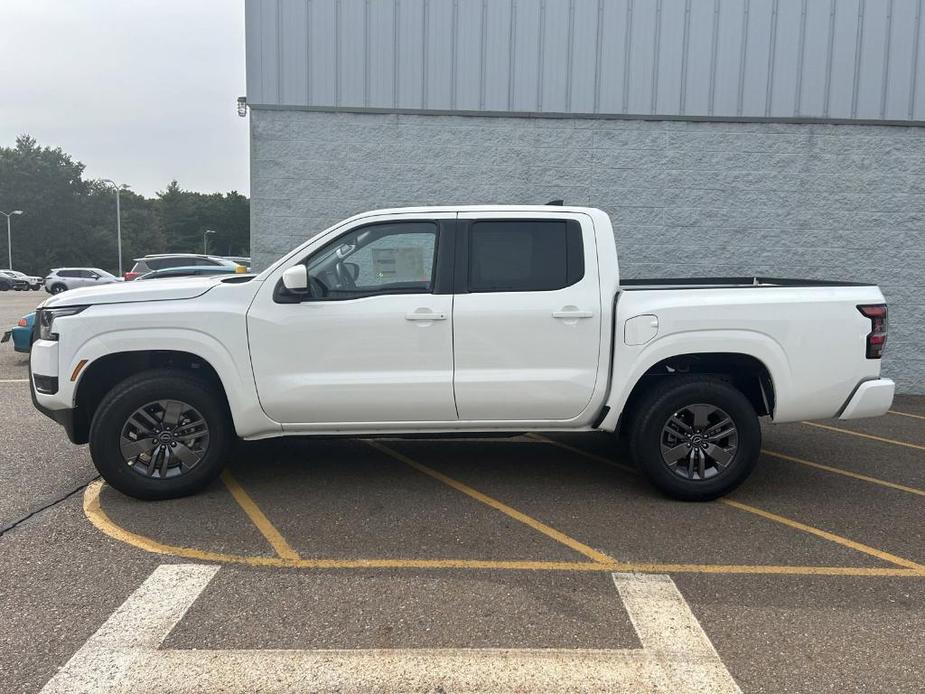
x=524, y=255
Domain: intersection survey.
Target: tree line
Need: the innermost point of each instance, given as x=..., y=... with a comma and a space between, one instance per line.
x=68, y=220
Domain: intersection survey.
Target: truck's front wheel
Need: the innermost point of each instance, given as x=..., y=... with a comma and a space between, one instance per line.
x=695, y=437
x=160, y=435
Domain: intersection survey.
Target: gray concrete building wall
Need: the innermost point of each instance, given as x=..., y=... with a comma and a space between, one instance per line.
x=687, y=198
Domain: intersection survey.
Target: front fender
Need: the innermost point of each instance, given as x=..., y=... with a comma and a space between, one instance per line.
x=234, y=373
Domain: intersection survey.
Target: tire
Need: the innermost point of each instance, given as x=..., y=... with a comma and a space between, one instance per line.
x=658, y=435
x=140, y=398
x=36, y=287
x=58, y=288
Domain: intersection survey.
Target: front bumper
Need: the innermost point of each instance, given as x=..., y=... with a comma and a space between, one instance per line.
x=871, y=399
x=59, y=405
x=63, y=417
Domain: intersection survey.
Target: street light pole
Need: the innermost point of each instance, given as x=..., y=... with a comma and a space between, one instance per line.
x=118, y=189
x=9, y=237
x=205, y=240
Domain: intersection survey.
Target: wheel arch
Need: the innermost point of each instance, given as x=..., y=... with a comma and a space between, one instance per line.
x=102, y=374
x=761, y=377
x=746, y=372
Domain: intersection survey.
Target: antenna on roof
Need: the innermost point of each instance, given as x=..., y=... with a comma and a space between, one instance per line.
x=557, y=203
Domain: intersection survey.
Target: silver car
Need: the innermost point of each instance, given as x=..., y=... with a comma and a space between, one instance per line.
x=63, y=278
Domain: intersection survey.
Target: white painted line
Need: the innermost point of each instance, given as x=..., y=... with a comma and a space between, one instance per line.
x=14, y=380
x=124, y=656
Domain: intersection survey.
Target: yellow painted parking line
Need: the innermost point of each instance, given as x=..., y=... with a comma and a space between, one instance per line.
x=831, y=537
x=846, y=473
x=796, y=525
x=263, y=524
x=539, y=526
x=104, y=524
x=801, y=461
x=586, y=454
x=773, y=570
x=907, y=414
x=14, y=380
x=881, y=439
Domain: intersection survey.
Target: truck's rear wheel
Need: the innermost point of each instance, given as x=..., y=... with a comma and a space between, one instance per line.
x=160, y=435
x=695, y=437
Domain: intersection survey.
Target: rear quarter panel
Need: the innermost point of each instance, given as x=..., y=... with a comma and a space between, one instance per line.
x=811, y=339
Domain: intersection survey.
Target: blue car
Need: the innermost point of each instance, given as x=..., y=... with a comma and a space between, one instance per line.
x=21, y=334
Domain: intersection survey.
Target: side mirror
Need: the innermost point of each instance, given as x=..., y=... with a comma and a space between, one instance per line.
x=295, y=279
x=353, y=269
x=94, y=276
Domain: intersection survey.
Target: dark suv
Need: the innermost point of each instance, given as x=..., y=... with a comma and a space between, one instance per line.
x=162, y=261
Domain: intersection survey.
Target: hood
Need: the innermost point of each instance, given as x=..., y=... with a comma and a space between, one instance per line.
x=139, y=290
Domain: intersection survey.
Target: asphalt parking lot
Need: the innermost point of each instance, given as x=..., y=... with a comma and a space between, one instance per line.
x=534, y=563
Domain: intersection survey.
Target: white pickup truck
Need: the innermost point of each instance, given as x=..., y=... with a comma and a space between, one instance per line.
x=438, y=320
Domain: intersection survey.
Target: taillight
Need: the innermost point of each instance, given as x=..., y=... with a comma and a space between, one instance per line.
x=22, y=323
x=876, y=338
x=129, y=276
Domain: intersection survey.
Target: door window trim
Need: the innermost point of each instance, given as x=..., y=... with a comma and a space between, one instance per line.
x=441, y=272
x=463, y=241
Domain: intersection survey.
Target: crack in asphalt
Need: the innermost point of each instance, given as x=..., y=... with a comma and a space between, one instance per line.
x=6, y=528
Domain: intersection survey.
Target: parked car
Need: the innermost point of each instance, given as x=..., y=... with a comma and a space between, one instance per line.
x=63, y=278
x=22, y=281
x=161, y=261
x=192, y=271
x=449, y=320
x=21, y=334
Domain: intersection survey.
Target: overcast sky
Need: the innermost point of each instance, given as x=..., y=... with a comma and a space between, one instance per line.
x=141, y=91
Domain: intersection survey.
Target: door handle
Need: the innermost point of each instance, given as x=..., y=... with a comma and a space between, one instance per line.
x=425, y=316
x=572, y=315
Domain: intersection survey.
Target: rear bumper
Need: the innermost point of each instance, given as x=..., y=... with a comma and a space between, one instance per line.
x=22, y=339
x=871, y=399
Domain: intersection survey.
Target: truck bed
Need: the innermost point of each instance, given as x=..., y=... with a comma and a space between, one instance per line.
x=729, y=283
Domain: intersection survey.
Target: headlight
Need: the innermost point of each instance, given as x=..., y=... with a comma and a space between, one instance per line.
x=46, y=319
